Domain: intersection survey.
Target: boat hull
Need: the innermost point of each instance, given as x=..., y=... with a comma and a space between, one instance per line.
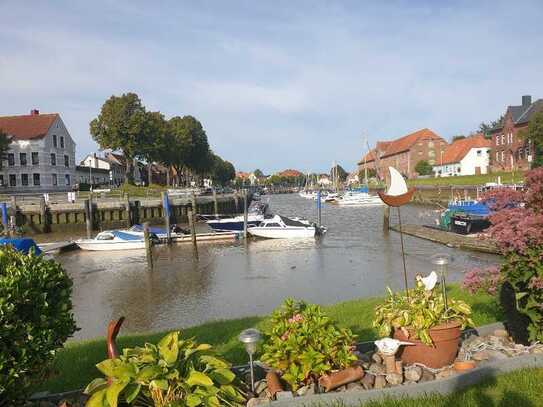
x=233, y=226
x=96, y=245
x=282, y=233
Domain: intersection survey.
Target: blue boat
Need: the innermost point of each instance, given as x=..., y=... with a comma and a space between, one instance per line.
x=255, y=216
x=465, y=217
x=24, y=245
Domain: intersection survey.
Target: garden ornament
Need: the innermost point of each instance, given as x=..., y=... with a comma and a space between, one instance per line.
x=388, y=348
x=112, y=331
x=250, y=338
x=429, y=281
x=397, y=195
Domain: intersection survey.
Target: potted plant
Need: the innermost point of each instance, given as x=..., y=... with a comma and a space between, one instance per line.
x=303, y=344
x=421, y=316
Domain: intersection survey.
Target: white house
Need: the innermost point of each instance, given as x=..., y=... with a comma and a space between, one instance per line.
x=468, y=156
x=41, y=156
x=324, y=180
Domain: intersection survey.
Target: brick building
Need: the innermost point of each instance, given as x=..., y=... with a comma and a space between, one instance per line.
x=510, y=151
x=404, y=153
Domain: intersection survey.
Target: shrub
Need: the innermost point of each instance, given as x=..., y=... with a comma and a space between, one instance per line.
x=482, y=280
x=35, y=318
x=302, y=343
x=175, y=372
x=420, y=311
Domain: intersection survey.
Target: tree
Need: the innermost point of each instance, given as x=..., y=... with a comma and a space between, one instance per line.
x=121, y=126
x=5, y=141
x=485, y=128
x=458, y=137
x=222, y=171
x=156, y=143
x=258, y=173
x=423, y=167
x=534, y=133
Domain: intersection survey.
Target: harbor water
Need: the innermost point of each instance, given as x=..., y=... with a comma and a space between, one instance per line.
x=354, y=259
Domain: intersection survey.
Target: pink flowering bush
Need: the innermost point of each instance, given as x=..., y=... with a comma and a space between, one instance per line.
x=482, y=280
x=302, y=344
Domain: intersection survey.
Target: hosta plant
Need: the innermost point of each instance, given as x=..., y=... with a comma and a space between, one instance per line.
x=419, y=311
x=302, y=343
x=176, y=372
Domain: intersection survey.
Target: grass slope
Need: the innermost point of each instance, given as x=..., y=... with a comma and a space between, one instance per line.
x=506, y=178
x=74, y=366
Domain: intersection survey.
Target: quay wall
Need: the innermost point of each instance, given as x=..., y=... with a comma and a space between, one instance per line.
x=37, y=216
x=441, y=195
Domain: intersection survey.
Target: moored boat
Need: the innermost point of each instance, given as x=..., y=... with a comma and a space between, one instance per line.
x=112, y=240
x=358, y=198
x=255, y=215
x=281, y=227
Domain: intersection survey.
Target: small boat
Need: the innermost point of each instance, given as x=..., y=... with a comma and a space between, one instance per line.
x=113, y=240
x=308, y=194
x=465, y=217
x=358, y=198
x=160, y=233
x=255, y=215
x=281, y=227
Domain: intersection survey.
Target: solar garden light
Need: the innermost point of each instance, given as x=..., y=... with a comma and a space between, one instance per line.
x=441, y=260
x=250, y=338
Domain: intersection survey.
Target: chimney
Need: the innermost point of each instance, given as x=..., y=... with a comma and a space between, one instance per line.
x=526, y=100
x=34, y=112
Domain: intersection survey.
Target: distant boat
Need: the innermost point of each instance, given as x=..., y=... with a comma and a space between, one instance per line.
x=112, y=240
x=255, y=215
x=281, y=227
x=359, y=198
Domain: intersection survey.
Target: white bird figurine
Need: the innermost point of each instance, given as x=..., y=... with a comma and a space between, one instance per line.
x=429, y=281
x=389, y=346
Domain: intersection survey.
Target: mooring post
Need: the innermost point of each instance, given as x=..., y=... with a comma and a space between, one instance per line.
x=127, y=207
x=386, y=219
x=215, y=203
x=319, y=208
x=236, y=200
x=87, y=208
x=13, y=216
x=166, y=214
x=193, y=203
x=43, y=215
x=192, y=227
x=245, y=214
x=91, y=211
x=148, y=245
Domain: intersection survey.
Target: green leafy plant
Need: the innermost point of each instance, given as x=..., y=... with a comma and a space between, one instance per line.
x=419, y=311
x=35, y=318
x=175, y=372
x=524, y=272
x=302, y=343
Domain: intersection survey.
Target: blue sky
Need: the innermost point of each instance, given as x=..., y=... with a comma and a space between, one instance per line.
x=277, y=85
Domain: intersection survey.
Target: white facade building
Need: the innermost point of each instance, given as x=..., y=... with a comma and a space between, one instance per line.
x=469, y=156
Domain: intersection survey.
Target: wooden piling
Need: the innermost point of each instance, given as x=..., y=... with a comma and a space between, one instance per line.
x=148, y=245
x=245, y=214
x=236, y=200
x=215, y=203
x=13, y=216
x=43, y=215
x=386, y=219
x=166, y=214
x=87, y=207
x=192, y=227
x=127, y=208
x=193, y=203
x=91, y=211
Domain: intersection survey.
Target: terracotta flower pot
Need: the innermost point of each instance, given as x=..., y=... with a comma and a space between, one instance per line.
x=463, y=365
x=345, y=376
x=446, y=338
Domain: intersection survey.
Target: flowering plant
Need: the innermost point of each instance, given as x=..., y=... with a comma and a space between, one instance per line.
x=304, y=344
x=482, y=280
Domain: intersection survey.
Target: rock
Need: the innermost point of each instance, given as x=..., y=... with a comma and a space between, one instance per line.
x=260, y=387
x=380, y=382
x=496, y=355
x=427, y=376
x=368, y=381
x=413, y=373
x=472, y=342
x=306, y=390
x=394, y=379
x=363, y=357
x=377, y=358
x=443, y=374
x=496, y=340
x=501, y=333
x=376, y=369
x=354, y=386
x=283, y=395
x=480, y=356
x=257, y=401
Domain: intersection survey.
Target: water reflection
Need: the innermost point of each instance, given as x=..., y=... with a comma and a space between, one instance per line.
x=355, y=259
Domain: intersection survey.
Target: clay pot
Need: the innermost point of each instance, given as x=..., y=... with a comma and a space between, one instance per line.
x=274, y=385
x=463, y=365
x=446, y=338
x=345, y=376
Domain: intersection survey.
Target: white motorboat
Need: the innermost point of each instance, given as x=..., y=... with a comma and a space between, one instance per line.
x=256, y=213
x=308, y=194
x=112, y=240
x=355, y=198
x=281, y=227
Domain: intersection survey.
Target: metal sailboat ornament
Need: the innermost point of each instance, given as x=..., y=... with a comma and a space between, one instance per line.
x=397, y=195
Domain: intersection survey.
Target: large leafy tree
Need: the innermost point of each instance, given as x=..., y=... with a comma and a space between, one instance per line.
x=121, y=125
x=423, y=167
x=534, y=132
x=222, y=171
x=155, y=141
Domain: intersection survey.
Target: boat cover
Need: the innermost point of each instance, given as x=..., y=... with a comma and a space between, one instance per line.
x=22, y=244
x=155, y=230
x=470, y=207
x=292, y=222
x=125, y=236
x=361, y=189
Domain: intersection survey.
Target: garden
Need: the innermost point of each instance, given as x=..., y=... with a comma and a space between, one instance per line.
x=375, y=350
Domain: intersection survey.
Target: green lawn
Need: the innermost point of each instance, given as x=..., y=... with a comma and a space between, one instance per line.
x=506, y=178
x=74, y=365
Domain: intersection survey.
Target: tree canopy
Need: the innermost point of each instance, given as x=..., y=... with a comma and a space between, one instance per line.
x=258, y=173
x=534, y=133
x=423, y=167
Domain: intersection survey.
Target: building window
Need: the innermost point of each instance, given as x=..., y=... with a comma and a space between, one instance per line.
x=35, y=159
x=36, y=179
x=2, y=179
x=53, y=159
x=12, y=180
x=497, y=156
x=24, y=180
x=503, y=156
x=478, y=153
x=11, y=159
x=67, y=178
x=503, y=139
x=61, y=141
x=55, y=141
x=431, y=153
x=55, y=180
x=22, y=159
x=66, y=161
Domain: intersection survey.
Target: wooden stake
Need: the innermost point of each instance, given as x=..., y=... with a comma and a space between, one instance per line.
x=403, y=253
x=245, y=214
x=192, y=227
x=148, y=245
x=87, y=207
x=215, y=203
x=43, y=215
x=13, y=216
x=166, y=214
x=386, y=219
x=128, y=214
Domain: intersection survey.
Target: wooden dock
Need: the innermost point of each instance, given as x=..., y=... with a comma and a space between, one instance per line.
x=473, y=243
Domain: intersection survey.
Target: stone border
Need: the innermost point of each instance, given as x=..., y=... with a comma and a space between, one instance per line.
x=442, y=387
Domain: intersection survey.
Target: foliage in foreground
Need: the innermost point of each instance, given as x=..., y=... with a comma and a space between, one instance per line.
x=175, y=372
x=35, y=318
x=304, y=344
x=419, y=310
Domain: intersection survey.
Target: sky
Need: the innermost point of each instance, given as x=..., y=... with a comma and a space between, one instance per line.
x=276, y=84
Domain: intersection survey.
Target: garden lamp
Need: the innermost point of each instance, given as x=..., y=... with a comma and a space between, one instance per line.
x=250, y=338
x=441, y=260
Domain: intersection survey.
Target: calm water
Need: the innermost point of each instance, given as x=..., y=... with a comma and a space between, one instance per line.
x=232, y=280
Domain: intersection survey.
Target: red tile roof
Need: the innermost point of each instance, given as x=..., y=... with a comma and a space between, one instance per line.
x=290, y=173
x=456, y=151
x=27, y=127
x=241, y=174
x=368, y=158
x=405, y=143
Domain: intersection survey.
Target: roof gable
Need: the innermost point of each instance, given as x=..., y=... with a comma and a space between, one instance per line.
x=406, y=142
x=27, y=127
x=456, y=151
